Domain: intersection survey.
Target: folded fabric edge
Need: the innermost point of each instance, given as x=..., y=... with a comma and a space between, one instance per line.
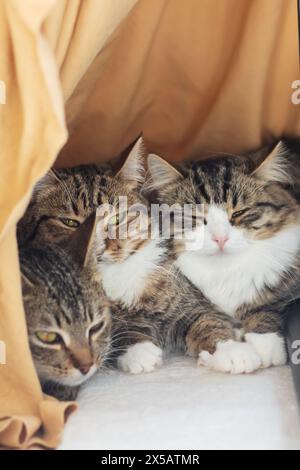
x=28, y=432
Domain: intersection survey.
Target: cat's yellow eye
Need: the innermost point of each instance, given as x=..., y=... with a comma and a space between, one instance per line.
x=48, y=337
x=117, y=219
x=114, y=220
x=70, y=222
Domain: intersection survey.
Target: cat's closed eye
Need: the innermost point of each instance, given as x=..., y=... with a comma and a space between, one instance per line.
x=235, y=215
x=96, y=328
x=246, y=216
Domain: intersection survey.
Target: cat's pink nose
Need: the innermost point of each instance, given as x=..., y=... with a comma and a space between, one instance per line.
x=220, y=240
x=85, y=368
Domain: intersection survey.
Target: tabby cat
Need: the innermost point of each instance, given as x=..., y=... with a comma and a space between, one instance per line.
x=248, y=264
x=67, y=313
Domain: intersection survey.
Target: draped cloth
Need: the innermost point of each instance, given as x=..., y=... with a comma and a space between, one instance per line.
x=82, y=79
x=46, y=47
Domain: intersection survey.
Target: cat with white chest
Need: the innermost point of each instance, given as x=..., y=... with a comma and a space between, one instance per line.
x=248, y=259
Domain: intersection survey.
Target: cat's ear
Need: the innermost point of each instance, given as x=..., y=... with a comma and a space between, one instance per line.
x=161, y=173
x=47, y=181
x=133, y=170
x=81, y=245
x=276, y=167
x=27, y=284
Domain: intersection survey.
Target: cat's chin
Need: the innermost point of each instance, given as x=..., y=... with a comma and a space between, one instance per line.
x=109, y=260
x=227, y=253
x=73, y=380
x=212, y=251
x=220, y=253
x=217, y=254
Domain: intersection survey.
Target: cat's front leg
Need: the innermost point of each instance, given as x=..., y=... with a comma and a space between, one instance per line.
x=214, y=339
x=61, y=392
x=264, y=332
x=134, y=350
x=140, y=357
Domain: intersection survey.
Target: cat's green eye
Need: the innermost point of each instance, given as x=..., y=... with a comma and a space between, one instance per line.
x=48, y=337
x=70, y=222
x=114, y=220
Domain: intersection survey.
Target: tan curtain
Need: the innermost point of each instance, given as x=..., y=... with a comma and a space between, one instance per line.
x=195, y=76
x=46, y=47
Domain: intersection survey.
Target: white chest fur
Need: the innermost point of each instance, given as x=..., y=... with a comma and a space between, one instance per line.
x=126, y=281
x=232, y=280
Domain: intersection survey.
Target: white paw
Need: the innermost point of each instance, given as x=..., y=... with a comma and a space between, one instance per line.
x=141, y=357
x=231, y=356
x=270, y=347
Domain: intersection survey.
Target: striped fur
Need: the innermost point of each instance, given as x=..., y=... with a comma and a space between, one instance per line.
x=257, y=208
x=166, y=309
x=75, y=193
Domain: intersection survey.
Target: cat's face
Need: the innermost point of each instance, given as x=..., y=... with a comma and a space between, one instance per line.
x=123, y=230
x=241, y=206
x=67, y=314
x=61, y=202
x=68, y=319
x=128, y=232
x=63, y=199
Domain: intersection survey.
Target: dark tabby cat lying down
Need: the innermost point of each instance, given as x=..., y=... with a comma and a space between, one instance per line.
x=248, y=264
x=67, y=315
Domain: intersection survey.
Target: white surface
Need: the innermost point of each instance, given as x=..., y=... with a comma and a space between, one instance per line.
x=182, y=406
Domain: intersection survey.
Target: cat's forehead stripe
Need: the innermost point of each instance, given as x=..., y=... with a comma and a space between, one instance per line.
x=89, y=184
x=227, y=179
x=215, y=181
x=63, y=286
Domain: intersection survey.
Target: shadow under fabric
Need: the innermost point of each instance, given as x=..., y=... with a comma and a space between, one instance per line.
x=194, y=77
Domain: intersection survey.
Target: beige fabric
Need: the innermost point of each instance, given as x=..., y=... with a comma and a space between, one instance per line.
x=194, y=77
x=39, y=39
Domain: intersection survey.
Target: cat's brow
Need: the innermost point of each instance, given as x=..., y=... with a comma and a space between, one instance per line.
x=67, y=191
x=234, y=199
x=271, y=204
x=201, y=186
x=227, y=179
x=89, y=313
x=58, y=322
